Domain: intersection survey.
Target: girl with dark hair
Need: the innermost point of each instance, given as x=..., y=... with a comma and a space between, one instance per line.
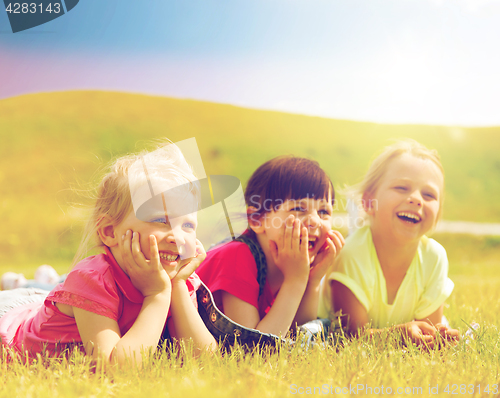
x=268, y=279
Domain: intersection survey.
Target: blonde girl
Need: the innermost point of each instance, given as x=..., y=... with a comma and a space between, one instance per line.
x=115, y=305
x=389, y=274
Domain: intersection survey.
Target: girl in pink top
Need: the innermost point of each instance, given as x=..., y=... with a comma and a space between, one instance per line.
x=115, y=305
x=271, y=282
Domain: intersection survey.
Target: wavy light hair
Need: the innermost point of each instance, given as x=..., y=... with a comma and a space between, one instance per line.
x=371, y=181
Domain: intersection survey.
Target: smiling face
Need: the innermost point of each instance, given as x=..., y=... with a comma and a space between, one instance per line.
x=314, y=214
x=407, y=200
x=170, y=236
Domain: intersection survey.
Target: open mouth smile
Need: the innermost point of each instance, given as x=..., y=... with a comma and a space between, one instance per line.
x=168, y=257
x=311, y=244
x=409, y=217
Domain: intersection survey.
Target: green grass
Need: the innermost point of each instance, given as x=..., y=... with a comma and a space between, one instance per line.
x=474, y=267
x=53, y=143
x=355, y=365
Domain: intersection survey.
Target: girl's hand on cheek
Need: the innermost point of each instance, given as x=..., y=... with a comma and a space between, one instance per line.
x=290, y=252
x=326, y=255
x=187, y=270
x=148, y=276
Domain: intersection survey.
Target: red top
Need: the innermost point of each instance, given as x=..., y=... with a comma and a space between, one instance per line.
x=231, y=268
x=97, y=284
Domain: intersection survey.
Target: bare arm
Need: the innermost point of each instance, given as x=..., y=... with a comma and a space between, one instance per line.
x=419, y=332
x=290, y=255
x=308, y=308
x=279, y=318
x=101, y=336
x=435, y=318
x=186, y=321
x=343, y=299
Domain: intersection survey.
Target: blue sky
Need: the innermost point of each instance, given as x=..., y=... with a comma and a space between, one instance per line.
x=398, y=61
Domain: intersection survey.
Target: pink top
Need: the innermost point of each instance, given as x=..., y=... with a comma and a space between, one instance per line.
x=232, y=268
x=97, y=284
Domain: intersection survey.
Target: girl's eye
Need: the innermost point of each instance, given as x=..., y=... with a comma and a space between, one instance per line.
x=298, y=208
x=401, y=188
x=429, y=195
x=160, y=220
x=188, y=225
x=324, y=212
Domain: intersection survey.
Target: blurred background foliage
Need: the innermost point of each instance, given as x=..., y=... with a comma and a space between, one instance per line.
x=53, y=144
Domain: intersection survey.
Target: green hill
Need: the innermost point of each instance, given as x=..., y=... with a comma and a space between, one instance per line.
x=54, y=141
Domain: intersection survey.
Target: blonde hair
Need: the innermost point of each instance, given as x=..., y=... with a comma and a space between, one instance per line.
x=369, y=185
x=112, y=197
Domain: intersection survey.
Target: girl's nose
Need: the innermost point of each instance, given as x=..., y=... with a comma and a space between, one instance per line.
x=415, y=198
x=178, y=235
x=186, y=244
x=179, y=238
x=312, y=220
x=170, y=236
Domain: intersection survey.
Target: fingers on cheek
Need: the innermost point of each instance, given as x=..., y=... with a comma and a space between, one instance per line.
x=125, y=242
x=136, y=244
x=127, y=248
x=338, y=237
x=152, y=240
x=333, y=247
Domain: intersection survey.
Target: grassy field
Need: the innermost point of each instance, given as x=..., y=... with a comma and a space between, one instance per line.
x=52, y=145
x=355, y=366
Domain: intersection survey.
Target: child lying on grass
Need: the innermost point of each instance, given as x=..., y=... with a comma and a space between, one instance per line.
x=389, y=274
x=115, y=305
x=268, y=279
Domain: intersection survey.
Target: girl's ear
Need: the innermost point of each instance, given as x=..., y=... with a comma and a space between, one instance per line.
x=254, y=220
x=107, y=231
x=369, y=204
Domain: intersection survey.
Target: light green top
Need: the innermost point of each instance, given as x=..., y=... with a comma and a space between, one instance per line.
x=424, y=288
